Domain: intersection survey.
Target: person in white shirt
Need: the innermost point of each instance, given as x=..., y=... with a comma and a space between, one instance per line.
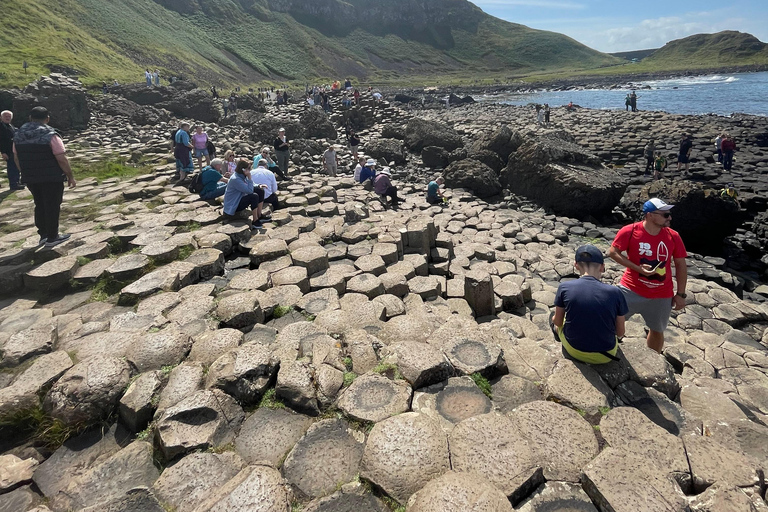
x=261, y=175
x=331, y=161
x=359, y=167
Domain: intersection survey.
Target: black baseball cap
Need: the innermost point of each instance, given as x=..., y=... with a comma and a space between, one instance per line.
x=589, y=254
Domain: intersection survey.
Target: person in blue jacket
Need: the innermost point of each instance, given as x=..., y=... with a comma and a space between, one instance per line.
x=369, y=171
x=214, y=184
x=241, y=193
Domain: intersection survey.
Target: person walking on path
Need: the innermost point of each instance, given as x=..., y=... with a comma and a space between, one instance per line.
x=589, y=315
x=282, y=151
x=651, y=248
x=200, y=143
x=182, y=151
x=684, y=155
x=7, y=132
x=648, y=152
x=148, y=77
x=41, y=157
x=719, y=146
x=331, y=161
x=728, y=147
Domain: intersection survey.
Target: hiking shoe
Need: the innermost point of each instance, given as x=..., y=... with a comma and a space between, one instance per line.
x=41, y=242
x=256, y=225
x=60, y=239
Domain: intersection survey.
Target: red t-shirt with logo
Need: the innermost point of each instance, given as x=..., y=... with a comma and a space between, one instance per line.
x=643, y=248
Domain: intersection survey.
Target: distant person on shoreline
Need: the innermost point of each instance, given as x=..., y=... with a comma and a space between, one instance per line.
x=684, y=155
x=648, y=152
x=719, y=146
x=728, y=147
x=540, y=115
x=546, y=113
x=633, y=100
x=628, y=102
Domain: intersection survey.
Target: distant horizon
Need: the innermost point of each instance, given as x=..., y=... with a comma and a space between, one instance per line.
x=611, y=27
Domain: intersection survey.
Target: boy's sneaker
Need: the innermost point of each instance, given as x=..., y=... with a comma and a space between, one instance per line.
x=60, y=239
x=256, y=225
x=41, y=242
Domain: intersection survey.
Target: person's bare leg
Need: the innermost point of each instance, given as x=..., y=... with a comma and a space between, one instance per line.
x=200, y=163
x=258, y=211
x=655, y=340
x=207, y=159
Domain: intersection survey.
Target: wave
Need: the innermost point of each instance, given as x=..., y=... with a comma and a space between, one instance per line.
x=692, y=81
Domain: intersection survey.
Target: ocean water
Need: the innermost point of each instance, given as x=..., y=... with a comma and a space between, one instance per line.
x=724, y=94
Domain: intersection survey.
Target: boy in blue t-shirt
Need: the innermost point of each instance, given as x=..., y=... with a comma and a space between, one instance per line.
x=434, y=196
x=589, y=315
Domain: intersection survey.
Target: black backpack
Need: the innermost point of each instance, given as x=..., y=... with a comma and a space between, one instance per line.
x=211, y=149
x=173, y=134
x=196, y=185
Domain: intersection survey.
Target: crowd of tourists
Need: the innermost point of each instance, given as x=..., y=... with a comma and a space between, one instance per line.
x=656, y=161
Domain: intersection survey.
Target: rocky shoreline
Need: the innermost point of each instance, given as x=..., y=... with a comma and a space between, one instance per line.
x=353, y=357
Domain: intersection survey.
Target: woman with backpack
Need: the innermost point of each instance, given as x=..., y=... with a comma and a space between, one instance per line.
x=210, y=183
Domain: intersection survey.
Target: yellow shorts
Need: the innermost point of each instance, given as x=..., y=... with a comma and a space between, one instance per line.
x=586, y=357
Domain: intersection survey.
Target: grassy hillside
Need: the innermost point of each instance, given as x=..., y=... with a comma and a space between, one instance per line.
x=728, y=48
x=245, y=42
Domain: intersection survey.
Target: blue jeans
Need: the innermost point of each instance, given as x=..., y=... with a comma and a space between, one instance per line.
x=221, y=187
x=13, y=172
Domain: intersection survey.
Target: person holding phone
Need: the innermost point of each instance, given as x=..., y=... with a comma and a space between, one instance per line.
x=651, y=248
x=241, y=193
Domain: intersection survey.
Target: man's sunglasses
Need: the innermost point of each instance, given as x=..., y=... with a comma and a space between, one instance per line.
x=666, y=215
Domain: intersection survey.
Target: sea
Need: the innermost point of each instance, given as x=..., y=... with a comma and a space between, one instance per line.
x=721, y=94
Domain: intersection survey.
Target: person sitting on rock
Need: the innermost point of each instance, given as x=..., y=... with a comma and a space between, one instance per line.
x=383, y=187
x=264, y=155
x=183, y=152
x=241, y=193
x=229, y=159
x=589, y=315
x=434, y=195
x=261, y=175
x=214, y=182
x=368, y=172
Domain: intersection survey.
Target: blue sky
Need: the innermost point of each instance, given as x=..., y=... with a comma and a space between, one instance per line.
x=615, y=26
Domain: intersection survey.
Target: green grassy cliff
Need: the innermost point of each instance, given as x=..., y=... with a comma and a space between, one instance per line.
x=728, y=48
x=248, y=42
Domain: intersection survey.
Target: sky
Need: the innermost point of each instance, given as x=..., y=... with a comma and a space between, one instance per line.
x=617, y=26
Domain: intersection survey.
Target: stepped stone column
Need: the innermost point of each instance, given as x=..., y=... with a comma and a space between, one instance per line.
x=478, y=292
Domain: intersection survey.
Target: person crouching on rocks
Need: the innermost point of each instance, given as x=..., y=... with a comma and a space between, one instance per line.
x=651, y=248
x=214, y=182
x=261, y=175
x=182, y=151
x=368, y=173
x=383, y=187
x=241, y=193
x=659, y=165
x=589, y=315
x=434, y=195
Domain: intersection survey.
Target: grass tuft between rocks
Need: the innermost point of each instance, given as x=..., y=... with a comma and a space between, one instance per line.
x=393, y=505
x=38, y=427
x=349, y=378
x=389, y=369
x=269, y=400
x=483, y=384
x=280, y=311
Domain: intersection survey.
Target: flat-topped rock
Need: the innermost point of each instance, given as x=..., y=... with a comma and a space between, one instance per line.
x=457, y=492
x=373, y=397
x=52, y=274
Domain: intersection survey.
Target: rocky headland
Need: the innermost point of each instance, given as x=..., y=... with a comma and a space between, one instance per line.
x=353, y=357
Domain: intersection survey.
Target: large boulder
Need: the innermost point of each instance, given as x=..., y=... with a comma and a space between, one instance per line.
x=503, y=142
x=420, y=134
x=390, y=150
x=196, y=104
x=64, y=97
x=561, y=175
x=265, y=130
x=473, y=175
x=143, y=95
x=701, y=216
x=317, y=125
x=142, y=115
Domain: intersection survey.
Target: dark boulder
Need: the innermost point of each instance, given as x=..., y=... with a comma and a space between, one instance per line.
x=455, y=100
x=404, y=98
x=393, y=131
x=503, y=142
x=64, y=97
x=434, y=157
x=474, y=175
x=265, y=130
x=489, y=158
x=420, y=134
x=6, y=99
x=562, y=176
x=142, y=115
x=390, y=150
x=196, y=104
x=250, y=102
x=143, y=95
x=761, y=228
x=701, y=216
x=317, y=125
x=313, y=147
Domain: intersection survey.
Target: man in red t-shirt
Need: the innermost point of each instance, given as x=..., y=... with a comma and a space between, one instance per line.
x=651, y=247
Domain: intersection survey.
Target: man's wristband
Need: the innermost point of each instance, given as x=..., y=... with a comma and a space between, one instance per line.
x=683, y=295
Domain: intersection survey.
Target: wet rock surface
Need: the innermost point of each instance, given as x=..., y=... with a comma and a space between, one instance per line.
x=265, y=369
